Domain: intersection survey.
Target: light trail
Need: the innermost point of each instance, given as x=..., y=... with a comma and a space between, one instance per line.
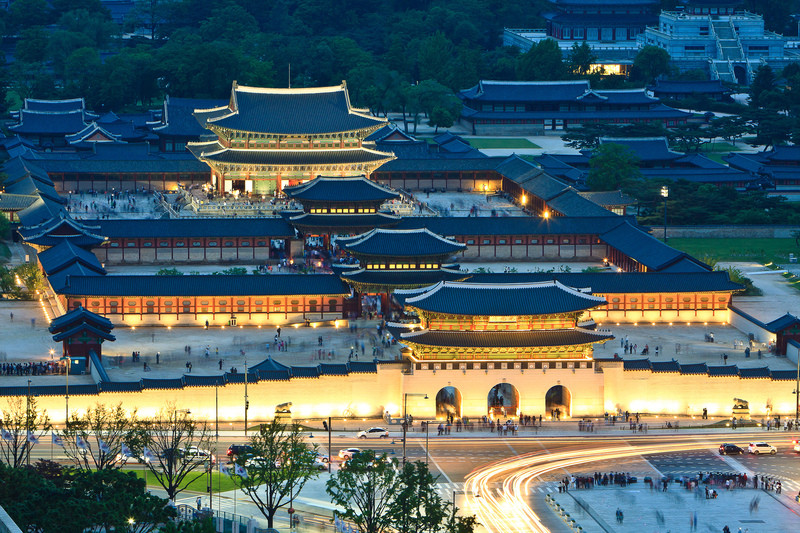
x=511, y=511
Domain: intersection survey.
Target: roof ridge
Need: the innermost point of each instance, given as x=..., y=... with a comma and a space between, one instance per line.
x=285, y=90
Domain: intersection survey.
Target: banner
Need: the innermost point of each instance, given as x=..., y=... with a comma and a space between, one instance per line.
x=57, y=440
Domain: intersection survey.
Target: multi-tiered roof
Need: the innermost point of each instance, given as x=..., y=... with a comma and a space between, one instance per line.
x=270, y=136
x=391, y=259
x=459, y=320
x=341, y=205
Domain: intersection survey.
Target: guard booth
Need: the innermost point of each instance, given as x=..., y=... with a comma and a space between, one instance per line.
x=81, y=332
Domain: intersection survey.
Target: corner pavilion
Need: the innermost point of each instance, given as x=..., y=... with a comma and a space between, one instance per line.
x=271, y=138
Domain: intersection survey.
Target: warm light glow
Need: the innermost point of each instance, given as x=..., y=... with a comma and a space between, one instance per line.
x=169, y=327
x=546, y=214
x=524, y=200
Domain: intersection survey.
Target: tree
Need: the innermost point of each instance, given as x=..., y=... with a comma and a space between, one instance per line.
x=284, y=463
x=581, y=59
x=365, y=488
x=612, y=167
x=31, y=277
x=434, y=56
x=417, y=506
x=543, y=62
x=22, y=425
x=110, y=426
x=650, y=63
x=168, y=436
x=687, y=137
x=730, y=128
x=5, y=225
x=763, y=82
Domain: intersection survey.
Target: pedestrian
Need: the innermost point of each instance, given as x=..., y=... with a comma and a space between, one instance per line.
x=725, y=358
x=199, y=503
x=220, y=364
x=158, y=357
x=12, y=316
x=33, y=323
x=279, y=332
x=206, y=324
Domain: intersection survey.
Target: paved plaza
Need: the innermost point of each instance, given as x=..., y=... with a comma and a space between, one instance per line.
x=646, y=510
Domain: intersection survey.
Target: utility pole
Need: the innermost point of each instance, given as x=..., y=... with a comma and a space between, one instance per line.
x=28, y=424
x=246, y=401
x=216, y=411
x=330, y=451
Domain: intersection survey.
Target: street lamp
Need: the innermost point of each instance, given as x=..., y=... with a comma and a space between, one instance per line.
x=665, y=194
x=405, y=417
x=486, y=190
x=66, y=391
x=797, y=396
x=246, y=401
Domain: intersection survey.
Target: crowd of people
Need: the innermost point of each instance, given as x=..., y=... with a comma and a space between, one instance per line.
x=32, y=369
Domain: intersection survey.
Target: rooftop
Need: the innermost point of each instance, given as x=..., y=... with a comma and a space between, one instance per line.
x=401, y=243
x=340, y=189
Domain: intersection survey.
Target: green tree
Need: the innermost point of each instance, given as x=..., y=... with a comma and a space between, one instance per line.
x=5, y=225
x=730, y=128
x=169, y=272
x=581, y=59
x=24, y=14
x=611, y=167
x=82, y=72
x=688, y=137
x=23, y=424
x=169, y=436
x=543, y=62
x=283, y=463
x=365, y=489
x=108, y=425
x=416, y=505
x=650, y=63
x=763, y=82
x=31, y=277
x=435, y=53
x=32, y=45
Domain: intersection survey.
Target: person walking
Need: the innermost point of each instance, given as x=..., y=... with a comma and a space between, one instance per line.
x=158, y=358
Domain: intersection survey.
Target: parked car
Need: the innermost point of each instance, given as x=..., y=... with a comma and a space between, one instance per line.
x=319, y=464
x=348, y=453
x=374, y=433
x=730, y=449
x=757, y=448
x=237, y=450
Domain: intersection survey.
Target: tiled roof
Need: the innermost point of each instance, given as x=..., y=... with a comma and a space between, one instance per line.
x=401, y=243
x=207, y=227
x=623, y=282
x=351, y=221
x=46, y=123
x=340, y=189
x=120, y=386
x=269, y=364
x=240, y=156
x=294, y=111
x=523, y=225
x=333, y=369
x=696, y=368
x=781, y=323
x=239, y=377
x=79, y=315
x=646, y=149
x=521, y=299
x=162, y=383
x=608, y=197
x=783, y=375
x=646, y=249
x=655, y=112
x=54, y=106
x=402, y=278
x=192, y=380
x=82, y=328
x=636, y=364
x=42, y=210
x=305, y=371
x=64, y=254
x=178, y=117
x=207, y=285
x=118, y=158
x=62, y=228
x=16, y=202
x=504, y=339
x=665, y=366
x=59, y=280
x=523, y=91
x=274, y=375
x=359, y=367
x=721, y=371
x=754, y=373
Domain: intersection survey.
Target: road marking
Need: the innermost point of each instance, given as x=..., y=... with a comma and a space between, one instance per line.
x=439, y=468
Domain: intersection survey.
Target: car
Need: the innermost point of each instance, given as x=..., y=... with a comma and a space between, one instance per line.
x=374, y=433
x=236, y=450
x=319, y=464
x=321, y=457
x=796, y=445
x=348, y=453
x=757, y=448
x=730, y=449
x=193, y=452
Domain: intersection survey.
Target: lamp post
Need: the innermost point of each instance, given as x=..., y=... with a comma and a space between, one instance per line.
x=216, y=411
x=665, y=194
x=246, y=401
x=797, y=396
x=405, y=418
x=427, y=448
x=28, y=424
x=66, y=391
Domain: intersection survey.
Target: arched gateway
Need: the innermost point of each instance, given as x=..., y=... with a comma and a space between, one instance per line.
x=448, y=403
x=558, y=402
x=503, y=400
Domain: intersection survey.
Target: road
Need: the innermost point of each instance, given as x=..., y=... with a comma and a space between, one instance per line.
x=509, y=477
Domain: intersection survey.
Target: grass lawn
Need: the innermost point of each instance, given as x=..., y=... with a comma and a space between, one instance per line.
x=221, y=482
x=761, y=250
x=717, y=157
x=511, y=143
x=722, y=146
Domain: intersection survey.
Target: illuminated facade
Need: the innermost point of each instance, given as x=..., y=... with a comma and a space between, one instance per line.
x=268, y=139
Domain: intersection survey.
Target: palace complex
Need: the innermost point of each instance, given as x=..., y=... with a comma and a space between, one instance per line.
x=351, y=229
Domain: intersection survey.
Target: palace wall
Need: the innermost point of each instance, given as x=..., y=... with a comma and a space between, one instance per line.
x=593, y=392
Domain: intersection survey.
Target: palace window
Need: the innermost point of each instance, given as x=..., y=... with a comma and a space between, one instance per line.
x=550, y=241
x=197, y=243
x=223, y=306
x=187, y=306
x=180, y=244
x=565, y=241
x=534, y=241
x=295, y=306
x=470, y=241
x=517, y=241
x=113, y=308
x=168, y=306
x=147, y=244
x=486, y=241
x=213, y=244
x=240, y=306
x=276, y=305
x=204, y=306
x=131, y=244
x=501, y=241
x=163, y=244
x=228, y=244
x=151, y=306
x=331, y=306
x=312, y=306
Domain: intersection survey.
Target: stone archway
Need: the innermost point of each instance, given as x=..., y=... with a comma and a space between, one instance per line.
x=448, y=403
x=503, y=401
x=558, y=402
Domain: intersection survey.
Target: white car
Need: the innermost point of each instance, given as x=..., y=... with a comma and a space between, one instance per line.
x=374, y=433
x=193, y=452
x=348, y=453
x=761, y=447
x=319, y=464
